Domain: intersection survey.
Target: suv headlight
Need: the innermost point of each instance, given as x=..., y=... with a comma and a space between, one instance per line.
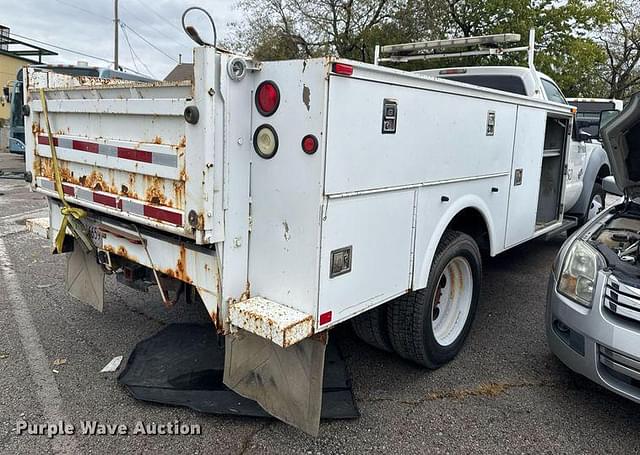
x=579, y=272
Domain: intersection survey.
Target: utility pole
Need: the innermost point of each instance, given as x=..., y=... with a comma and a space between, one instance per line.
x=116, y=22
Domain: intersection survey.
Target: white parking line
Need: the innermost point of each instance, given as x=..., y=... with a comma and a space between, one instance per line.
x=19, y=216
x=45, y=386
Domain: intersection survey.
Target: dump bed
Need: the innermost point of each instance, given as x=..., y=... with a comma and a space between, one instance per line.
x=122, y=149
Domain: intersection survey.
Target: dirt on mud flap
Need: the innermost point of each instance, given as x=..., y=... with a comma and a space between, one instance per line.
x=182, y=365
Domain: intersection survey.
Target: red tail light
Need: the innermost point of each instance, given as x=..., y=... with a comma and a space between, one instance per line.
x=341, y=68
x=267, y=98
x=309, y=144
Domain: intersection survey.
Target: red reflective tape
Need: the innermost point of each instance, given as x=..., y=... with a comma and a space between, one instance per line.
x=163, y=215
x=325, y=318
x=44, y=140
x=135, y=155
x=105, y=200
x=85, y=146
x=71, y=191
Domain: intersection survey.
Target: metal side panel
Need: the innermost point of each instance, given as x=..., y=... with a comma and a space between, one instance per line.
x=373, y=233
x=525, y=175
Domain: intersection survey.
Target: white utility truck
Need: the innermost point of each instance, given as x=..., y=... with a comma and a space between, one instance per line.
x=291, y=196
x=587, y=163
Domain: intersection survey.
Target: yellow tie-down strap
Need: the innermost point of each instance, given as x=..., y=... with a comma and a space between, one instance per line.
x=71, y=216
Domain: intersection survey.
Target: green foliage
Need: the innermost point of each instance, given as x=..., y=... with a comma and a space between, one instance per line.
x=567, y=48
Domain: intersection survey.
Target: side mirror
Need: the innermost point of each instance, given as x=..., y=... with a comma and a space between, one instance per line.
x=610, y=186
x=582, y=135
x=606, y=117
x=5, y=92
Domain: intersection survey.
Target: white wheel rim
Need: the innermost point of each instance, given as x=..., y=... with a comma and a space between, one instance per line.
x=597, y=205
x=452, y=301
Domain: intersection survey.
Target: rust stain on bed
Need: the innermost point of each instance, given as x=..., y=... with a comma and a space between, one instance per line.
x=180, y=271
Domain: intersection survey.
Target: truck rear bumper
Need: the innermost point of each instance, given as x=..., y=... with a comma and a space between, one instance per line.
x=197, y=266
x=169, y=256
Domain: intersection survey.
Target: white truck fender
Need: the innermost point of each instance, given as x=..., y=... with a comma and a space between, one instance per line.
x=597, y=159
x=423, y=263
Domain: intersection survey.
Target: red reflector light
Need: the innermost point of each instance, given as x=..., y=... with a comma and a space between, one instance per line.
x=309, y=144
x=341, y=68
x=325, y=318
x=267, y=98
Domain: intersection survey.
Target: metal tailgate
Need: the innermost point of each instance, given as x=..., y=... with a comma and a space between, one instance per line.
x=122, y=148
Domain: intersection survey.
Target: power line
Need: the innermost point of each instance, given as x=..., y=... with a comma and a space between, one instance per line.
x=126, y=38
x=62, y=48
x=84, y=54
x=149, y=24
x=134, y=55
x=93, y=13
x=147, y=6
x=149, y=43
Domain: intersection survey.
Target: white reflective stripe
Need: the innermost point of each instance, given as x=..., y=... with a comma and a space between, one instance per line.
x=106, y=149
x=46, y=184
x=158, y=158
x=65, y=142
x=84, y=194
x=132, y=207
x=164, y=159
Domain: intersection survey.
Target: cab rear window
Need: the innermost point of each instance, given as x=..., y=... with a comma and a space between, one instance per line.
x=506, y=83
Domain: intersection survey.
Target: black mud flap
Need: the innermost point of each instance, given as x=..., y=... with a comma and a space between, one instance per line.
x=183, y=365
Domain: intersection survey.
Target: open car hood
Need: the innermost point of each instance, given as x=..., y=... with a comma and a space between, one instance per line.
x=621, y=140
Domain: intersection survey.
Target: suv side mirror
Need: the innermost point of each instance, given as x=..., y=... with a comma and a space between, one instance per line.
x=610, y=186
x=6, y=93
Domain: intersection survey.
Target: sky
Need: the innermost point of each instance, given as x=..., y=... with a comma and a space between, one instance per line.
x=87, y=26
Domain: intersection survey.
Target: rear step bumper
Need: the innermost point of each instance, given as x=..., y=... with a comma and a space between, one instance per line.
x=198, y=266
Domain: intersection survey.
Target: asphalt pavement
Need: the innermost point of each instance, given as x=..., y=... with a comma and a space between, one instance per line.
x=504, y=393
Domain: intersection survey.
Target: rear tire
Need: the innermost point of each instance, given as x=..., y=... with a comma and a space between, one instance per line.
x=371, y=327
x=429, y=326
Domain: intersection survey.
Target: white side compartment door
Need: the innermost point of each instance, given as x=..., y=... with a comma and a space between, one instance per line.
x=525, y=175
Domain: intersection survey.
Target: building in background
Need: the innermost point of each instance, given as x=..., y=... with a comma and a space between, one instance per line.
x=14, y=54
x=182, y=72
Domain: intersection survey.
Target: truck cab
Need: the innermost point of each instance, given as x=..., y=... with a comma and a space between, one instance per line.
x=587, y=163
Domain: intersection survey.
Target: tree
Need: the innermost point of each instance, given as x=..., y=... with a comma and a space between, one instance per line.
x=299, y=28
x=621, y=41
x=565, y=48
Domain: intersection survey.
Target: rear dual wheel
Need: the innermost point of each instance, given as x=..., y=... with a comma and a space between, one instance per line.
x=429, y=326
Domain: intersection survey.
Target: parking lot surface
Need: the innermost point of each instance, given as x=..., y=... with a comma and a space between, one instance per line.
x=505, y=392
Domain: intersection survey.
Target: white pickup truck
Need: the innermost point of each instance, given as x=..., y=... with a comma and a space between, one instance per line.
x=291, y=196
